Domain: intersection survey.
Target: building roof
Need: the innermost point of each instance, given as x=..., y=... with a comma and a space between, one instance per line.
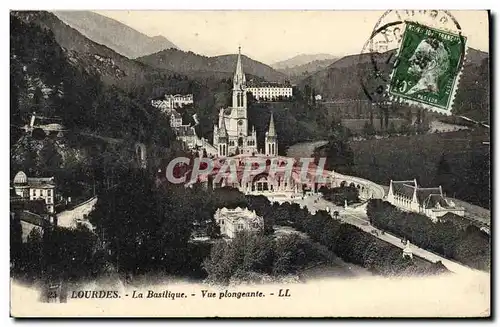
x=430, y=196
x=272, y=130
x=39, y=182
x=238, y=213
x=20, y=178
x=222, y=129
x=34, y=219
x=268, y=84
x=239, y=76
x=404, y=188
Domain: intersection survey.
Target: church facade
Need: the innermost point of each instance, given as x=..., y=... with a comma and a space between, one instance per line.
x=232, y=135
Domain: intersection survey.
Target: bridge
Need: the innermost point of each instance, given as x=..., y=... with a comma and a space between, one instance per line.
x=367, y=189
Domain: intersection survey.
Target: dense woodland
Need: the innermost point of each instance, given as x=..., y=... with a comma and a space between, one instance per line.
x=468, y=244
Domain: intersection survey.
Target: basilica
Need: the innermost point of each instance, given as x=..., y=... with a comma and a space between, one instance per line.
x=232, y=135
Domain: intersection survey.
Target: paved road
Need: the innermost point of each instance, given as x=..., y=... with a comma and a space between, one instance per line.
x=69, y=218
x=358, y=218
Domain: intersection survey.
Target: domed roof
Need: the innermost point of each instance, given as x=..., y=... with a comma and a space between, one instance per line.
x=20, y=178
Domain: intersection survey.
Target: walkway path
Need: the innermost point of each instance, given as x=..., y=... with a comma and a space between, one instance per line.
x=359, y=219
x=68, y=218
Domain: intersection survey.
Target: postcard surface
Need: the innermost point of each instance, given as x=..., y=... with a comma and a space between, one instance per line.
x=250, y=164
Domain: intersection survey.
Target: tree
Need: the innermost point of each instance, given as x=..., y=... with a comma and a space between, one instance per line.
x=444, y=175
x=16, y=242
x=146, y=227
x=246, y=252
x=368, y=129
x=289, y=254
x=392, y=129
x=49, y=157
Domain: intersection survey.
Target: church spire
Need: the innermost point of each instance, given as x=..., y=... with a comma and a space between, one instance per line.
x=222, y=129
x=271, y=130
x=239, y=77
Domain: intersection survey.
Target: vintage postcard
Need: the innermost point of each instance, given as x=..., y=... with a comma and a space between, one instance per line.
x=250, y=164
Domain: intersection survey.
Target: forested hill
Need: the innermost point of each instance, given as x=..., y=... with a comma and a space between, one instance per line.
x=44, y=79
x=472, y=98
x=94, y=58
x=195, y=65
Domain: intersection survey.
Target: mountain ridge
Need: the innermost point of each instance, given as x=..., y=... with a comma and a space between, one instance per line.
x=301, y=59
x=191, y=64
x=117, y=36
x=472, y=95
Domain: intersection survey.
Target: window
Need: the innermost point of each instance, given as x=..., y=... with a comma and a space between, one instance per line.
x=34, y=192
x=240, y=226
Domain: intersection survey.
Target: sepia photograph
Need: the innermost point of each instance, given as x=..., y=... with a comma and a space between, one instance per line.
x=250, y=163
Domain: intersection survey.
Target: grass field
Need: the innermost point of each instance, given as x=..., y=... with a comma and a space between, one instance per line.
x=417, y=156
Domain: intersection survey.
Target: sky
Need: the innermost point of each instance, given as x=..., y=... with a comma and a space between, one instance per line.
x=271, y=36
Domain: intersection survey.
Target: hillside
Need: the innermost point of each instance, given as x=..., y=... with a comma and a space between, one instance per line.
x=302, y=59
x=96, y=59
x=44, y=78
x=307, y=69
x=472, y=97
x=113, y=34
x=193, y=65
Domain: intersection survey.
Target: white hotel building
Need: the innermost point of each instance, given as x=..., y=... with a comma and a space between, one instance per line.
x=271, y=92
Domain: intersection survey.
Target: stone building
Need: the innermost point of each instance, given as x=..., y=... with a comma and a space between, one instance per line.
x=270, y=91
x=233, y=221
x=36, y=188
x=170, y=101
x=429, y=201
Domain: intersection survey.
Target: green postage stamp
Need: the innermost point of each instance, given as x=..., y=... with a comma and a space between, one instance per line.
x=428, y=68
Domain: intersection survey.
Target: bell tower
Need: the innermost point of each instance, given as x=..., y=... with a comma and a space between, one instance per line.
x=240, y=98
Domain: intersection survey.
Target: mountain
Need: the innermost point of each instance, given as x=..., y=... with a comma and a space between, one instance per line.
x=297, y=72
x=113, y=34
x=96, y=59
x=195, y=65
x=472, y=95
x=302, y=59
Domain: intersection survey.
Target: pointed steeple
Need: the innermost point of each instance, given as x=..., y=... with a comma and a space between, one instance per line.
x=271, y=130
x=222, y=129
x=239, y=77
